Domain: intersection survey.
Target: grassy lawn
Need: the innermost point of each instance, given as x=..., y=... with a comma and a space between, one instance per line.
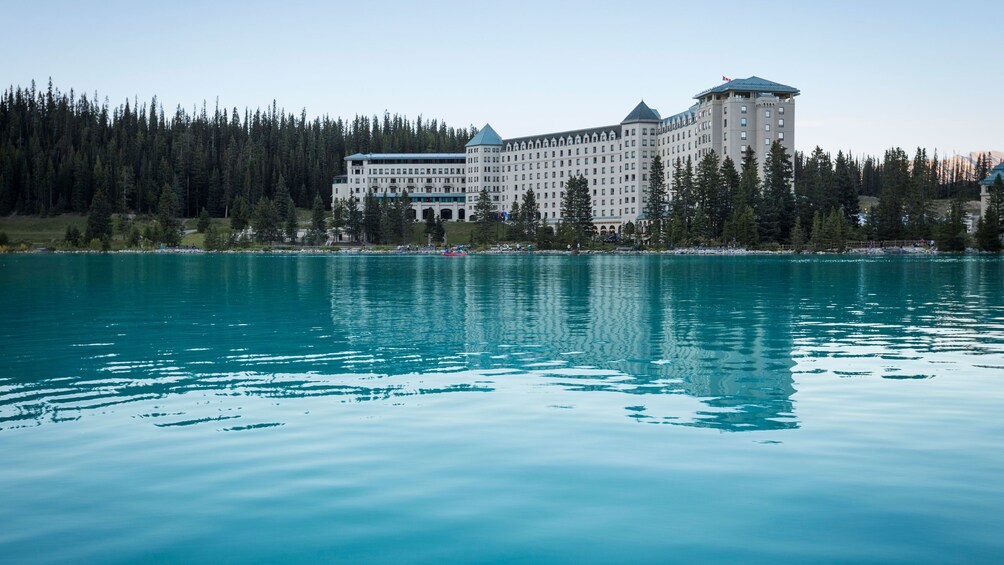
x=457, y=233
x=40, y=231
x=51, y=231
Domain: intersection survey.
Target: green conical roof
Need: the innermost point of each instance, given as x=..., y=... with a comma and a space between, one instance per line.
x=486, y=136
x=641, y=113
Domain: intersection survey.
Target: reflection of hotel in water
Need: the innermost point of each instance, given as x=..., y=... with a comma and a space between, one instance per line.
x=670, y=328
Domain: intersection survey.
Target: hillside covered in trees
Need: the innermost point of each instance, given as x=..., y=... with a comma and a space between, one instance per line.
x=57, y=149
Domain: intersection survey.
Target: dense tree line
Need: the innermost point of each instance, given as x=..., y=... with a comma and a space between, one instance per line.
x=809, y=200
x=59, y=150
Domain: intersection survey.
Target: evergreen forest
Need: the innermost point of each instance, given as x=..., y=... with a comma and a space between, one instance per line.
x=67, y=152
x=58, y=149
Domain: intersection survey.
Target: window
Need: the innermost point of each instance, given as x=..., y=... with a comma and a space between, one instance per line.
x=780, y=110
x=742, y=122
x=780, y=122
x=742, y=135
x=766, y=141
x=742, y=109
x=780, y=135
x=766, y=113
x=766, y=127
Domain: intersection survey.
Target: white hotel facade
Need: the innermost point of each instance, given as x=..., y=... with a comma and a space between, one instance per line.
x=614, y=159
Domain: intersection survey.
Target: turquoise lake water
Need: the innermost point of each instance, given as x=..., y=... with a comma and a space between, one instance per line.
x=254, y=408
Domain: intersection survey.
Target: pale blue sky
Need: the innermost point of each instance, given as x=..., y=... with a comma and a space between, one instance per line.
x=872, y=74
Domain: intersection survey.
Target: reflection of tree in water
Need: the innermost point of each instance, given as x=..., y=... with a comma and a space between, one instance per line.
x=665, y=325
x=715, y=329
x=629, y=314
x=375, y=328
x=731, y=339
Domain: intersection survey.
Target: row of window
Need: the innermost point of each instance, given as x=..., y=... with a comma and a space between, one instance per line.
x=560, y=153
x=412, y=171
x=562, y=141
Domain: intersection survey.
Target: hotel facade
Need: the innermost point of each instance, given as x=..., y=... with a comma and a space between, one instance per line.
x=614, y=159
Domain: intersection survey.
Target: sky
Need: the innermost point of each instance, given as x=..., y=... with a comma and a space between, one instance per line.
x=872, y=75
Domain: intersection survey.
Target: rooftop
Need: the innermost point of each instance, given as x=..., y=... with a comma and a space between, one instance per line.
x=995, y=173
x=688, y=113
x=751, y=84
x=641, y=113
x=401, y=156
x=486, y=136
x=588, y=132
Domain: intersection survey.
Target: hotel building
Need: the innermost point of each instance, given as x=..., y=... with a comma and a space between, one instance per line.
x=614, y=159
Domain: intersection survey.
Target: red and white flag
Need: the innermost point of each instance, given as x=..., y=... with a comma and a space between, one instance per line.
x=725, y=78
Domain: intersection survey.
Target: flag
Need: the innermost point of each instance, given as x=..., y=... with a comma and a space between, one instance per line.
x=725, y=78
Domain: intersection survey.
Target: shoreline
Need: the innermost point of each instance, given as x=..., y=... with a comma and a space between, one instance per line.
x=880, y=251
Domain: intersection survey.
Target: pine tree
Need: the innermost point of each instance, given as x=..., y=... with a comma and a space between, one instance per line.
x=744, y=227
x=215, y=198
x=797, y=236
x=389, y=224
x=168, y=227
x=846, y=189
x=952, y=232
x=835, y=230
x=290, y=221
x=815, y=189
x=371, y=218
x=72, y=236
x=354, y=219
x=988, y=235
x=707, y=218
x=439, y=233
x=916, y=205
x=203, y=223
x=215, y=240
x=655, y=205
x=895, y=180
x=577, y=211
x=126, y=187
x=516, y=222
x=339, y=216
x=749, y=180
x=241, y=215
x=816, y=235
x=728, y=193
x=99, y=219
x=683, y=203
x=265, y=222
x=776, y=207
x=318, y=224
x=746, y=196
x=484, y=212
x=430, y=226
x=531, y=215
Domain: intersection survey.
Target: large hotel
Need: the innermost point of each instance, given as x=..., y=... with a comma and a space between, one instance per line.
x=615, y=159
